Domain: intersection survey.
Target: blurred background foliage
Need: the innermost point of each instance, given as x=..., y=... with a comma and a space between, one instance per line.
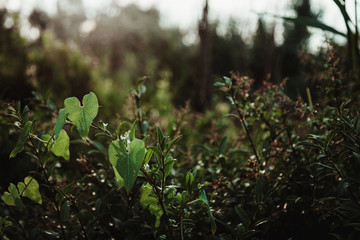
x=110, y=53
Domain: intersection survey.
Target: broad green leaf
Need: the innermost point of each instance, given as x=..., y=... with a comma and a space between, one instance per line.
x=60, y=122
x=202, y=197
x=82, y=116
x=127, y=161
x=151, y=203
x=30, y=189
x=12, y=197
x=61, y=146
x=22, y=139
x=119, y=179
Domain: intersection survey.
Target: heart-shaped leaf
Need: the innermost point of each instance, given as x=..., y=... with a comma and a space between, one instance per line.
x=61, y=146
x=12, y=197
x=30, y=189
x=127, y=162
x=82, y=116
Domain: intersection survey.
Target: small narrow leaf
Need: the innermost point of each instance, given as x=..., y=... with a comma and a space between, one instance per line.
x=172, y=142
x=119, y=128
x=25, y=115
x=60, y=122
x=148, y=156
x=22, y=139
x=202, y=197
x=156, y=151
x=189, y=180
x=222, y=144
x=169, y=163
x=132, y=131
x=65, y=210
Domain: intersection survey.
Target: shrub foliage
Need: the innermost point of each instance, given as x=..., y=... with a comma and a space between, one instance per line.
x=271, y=168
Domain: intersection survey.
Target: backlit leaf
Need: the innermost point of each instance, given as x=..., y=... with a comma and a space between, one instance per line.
x=82, y=116
x=127, y=161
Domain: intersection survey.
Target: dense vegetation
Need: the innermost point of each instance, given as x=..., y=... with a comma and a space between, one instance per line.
x=264, y=159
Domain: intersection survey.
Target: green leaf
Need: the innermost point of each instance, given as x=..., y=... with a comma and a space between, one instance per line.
x=12, y=197
x=145, y=126
x=61, y=146
x=172, y=142
x=127, y=161
x=60, y=122
x=132, y=131
x=222, y=144
x=4, y=223
x=243, y=215
x=160, y=136
x=148, y=156
x=119, y=179
x=99, y=146
x=149, y=202
x=30, y=189
x=142, y=90
x=227, y=80
x=202, y=197
x=189, y=180
x=82, y=116
x=169, y=163
x=156, y=151
x=22, y=139
x=342, y=187
x=119, y=128
x=25, y=115
x=219, y=84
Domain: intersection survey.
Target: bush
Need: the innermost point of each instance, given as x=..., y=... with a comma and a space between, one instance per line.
x=272, y=168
